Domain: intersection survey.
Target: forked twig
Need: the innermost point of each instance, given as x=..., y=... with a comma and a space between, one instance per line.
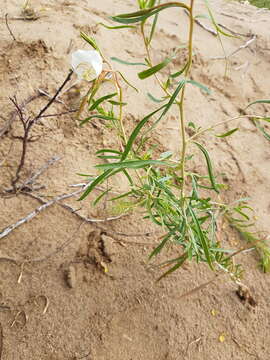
x=14, y=113
x=245, y=45
x=34, y=213
x=28, y=124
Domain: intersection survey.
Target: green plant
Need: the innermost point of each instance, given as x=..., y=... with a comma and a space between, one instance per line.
x=177, y=199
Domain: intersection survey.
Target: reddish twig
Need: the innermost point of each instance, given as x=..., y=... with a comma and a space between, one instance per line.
x=27, y=125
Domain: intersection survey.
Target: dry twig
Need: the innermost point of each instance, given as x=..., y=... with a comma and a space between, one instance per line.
x=11, y=33
x=41, y=170
x=28, y=124
x=245, y=45
x=14, y=113
x=205, y=27
x=34, y=213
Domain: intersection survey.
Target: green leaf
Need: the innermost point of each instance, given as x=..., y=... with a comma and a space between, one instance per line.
x=168, y=105
x=100, y=100
x=136, y=132
x=178, y=73
x=117, y=103
x=117, y=27
x=96, y=116
x=265, y=134
x=209, y=166
x=180, y=262
x=199, y=85
x=142, y=15
x=259, y=102
x=218, y=29
x=154, y=98
x=126, y=81
x=228, y=133
x=160, y=246
x=91, y=41
x=101, y=196
x=201, y=236
x=149, y=72
x=153, y=28
x=173, y=97
x=97, y=181
x=102, y=151
x=132, y=164
x=126, y=62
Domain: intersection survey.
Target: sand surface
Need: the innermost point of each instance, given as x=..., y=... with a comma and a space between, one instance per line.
x=64, y=306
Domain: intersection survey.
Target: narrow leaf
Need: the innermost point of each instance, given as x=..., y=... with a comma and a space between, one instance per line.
x=126, y=62
x=100, y=179
x=218, y=29
x=101, y=196
x=201, y=237
x=199, y=85
x=117, y=27
x=259, y=102
x=127, y=82
x=178, y=73
x=149, y=72
x=182, y=259
x=133, y=164
x=159, y=247
x=209, y=166
x=136, y=131
x=96, y=117
x=91, y=41
x=228, y=133
x=154, y=98
x=100, y=100
x=117, y=103
x=142, y=15
x=102, y=151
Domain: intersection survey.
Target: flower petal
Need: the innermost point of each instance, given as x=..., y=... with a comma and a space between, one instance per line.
x=87, y=64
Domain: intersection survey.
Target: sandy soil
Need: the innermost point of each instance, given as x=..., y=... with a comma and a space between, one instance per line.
x=65, y=306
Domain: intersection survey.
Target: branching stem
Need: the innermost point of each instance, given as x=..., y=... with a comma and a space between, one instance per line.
x=182, y=98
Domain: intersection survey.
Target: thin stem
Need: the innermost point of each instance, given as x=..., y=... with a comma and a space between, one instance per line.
x=222, y=123
x=150, y=60
x=181, y=103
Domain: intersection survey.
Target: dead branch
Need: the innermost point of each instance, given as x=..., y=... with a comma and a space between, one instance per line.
x=205, y=27
x=74, y=211
x=34, y=213
x=28, y=123
x=44, y=93
x=232, y=31
x=14, y=113
x=60, y=114
x=245, y=45
x=41, y=170
x=11, y=33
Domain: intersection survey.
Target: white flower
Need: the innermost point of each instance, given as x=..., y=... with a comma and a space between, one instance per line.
x=87, y=64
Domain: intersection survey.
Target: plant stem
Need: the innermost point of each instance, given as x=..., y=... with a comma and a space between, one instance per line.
x=150, y=60
x=181, y=103
x=224, y=122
